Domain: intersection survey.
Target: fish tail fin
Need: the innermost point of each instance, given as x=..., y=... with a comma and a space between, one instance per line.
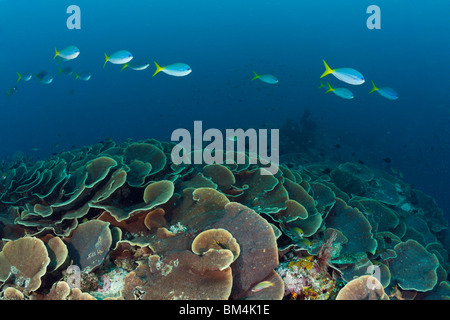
x=374, y=88
x=106, y=60
x=56, y=53
x=19, y=76
x=321, y=85
x=328, y=70
x=76, y=76
x=60, y=70
x=256, y=76
x=158, y=69
x=124, y=66
x=330, y=88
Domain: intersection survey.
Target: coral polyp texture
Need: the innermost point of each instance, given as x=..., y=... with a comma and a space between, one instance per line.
x=122, y=221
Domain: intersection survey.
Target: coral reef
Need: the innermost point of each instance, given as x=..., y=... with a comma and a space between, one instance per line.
x=363, y=288
x=122, y=221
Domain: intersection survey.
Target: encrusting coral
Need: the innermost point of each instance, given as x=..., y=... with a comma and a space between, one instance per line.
x=121, y=221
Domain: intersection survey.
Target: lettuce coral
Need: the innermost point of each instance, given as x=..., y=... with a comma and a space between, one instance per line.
x=305, y=231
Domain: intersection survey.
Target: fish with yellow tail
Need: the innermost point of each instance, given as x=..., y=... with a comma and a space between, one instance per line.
x=11, y=91
x=262, y=285
x=267, y=78
x=118, y=57
x=386, y=92
x=340, y=92
x=25, y=77
x=68, y=53
x=297, y=233
x=175, y=69
x=221, y=245
x=347, y=75
x=85, y=76
x=137, y=65
x=67, y=71
x=44, y=77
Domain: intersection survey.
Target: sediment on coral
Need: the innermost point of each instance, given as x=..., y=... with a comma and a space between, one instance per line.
x=122, y=221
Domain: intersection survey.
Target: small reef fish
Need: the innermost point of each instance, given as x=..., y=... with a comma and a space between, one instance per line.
x=45, y=79
x=41, y=74
x=68, y=53
x=348, y=75
x=119, y=57
x=262, y=285
x=176, y=69
x=386, y=92
x=11, y=91
x=25, y=77
x=85, y=76
x=303, y=243
x=220, y=244
x=267, y=78
x=136, y=65
x=297, y=233
x=67, y=71
x=396, y=171
x=340, y=92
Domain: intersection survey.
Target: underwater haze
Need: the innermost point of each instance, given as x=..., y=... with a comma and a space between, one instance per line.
x=255, y=64
x=224, y=42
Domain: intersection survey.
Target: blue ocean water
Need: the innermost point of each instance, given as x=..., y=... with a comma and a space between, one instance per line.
x=224, y=42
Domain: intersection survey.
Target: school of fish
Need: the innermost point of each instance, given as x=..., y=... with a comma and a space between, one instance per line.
x=126, y=59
